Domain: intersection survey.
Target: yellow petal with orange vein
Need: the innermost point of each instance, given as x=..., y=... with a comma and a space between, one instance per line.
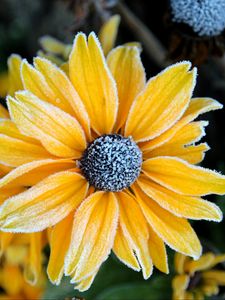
x=127, y=69
x=108, y=33
x=35, y=82
x=15, y=82
x=3, y=112
x=180, y=261
x=59, y=244
x=4, y=170
x=183, y=178
x=93, y=81
x=15, y=152
x=32, y=268
x=135, y=229
x=63, y=90
x=123, y=250
x=201, y=264
x=162, y=103
x=93, y=234
x=45, y=204
x=59, y=132
x=33, y=172
x=5, y=240
x=157, y=251
x=180, y=205
x=197, y=106
x=174, y=231
x=217, y=276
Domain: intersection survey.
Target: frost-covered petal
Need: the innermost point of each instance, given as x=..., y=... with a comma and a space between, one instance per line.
x=93, y=233
x=135, y=229
x=183, y=178
x=176, y=232
x=59, y=132
x=180, y=205
x=162, y=103
x=94, y=83
x=45, y=204
x=127, y=69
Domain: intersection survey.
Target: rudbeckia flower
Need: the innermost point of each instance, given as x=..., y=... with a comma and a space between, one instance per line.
x=12, y=283
x=109, y=161
x=197, y=279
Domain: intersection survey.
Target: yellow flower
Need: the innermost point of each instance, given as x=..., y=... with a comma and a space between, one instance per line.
x=13, y=264
x=109, y=159
x=197, y=279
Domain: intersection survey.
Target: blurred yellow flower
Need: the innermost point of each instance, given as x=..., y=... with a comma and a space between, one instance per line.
x=109, y=159
x=197, y=278
x=13, y=264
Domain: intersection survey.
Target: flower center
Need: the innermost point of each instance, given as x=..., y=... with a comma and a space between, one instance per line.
x=111, y=162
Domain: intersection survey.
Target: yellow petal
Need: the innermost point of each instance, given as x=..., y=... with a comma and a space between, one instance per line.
x=9, y=192
x=85, y=284
x=183, y=178
x=127, y=69
x=175, y=231
x=201, y=264
x=5, y=240
x=210, y=289
x=135, y=229
x=12, y=274
x=197, y=106
x=45, y=204
x=8, y=127
x=179, y=262
x=93, y=235
x=15, y=82
x=180, y=205
x=59, y=132
x=108, y=33
x=15, y=152
x=59, y=244
x=4, y=86
x=177, y=145
x=63, y=90
x=123, y=250
x=33, y=266
x=180, y=284
x=54, y=46
x=3, y=112
x=162, y=103
x=33, y=172
x=157, y=251
x=35, y=82
x=217, y=260
x=217, y=276
x=93, y=82
x=4, y=170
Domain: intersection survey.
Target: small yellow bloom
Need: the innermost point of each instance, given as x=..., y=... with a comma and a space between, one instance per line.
x=110, y=161
x=12, y=282
x=196, y=279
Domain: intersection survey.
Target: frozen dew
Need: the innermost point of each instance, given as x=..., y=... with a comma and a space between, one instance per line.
x=206, y=17
x=111, y=162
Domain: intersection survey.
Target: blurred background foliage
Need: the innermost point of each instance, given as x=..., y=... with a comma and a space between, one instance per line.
x=23, y=22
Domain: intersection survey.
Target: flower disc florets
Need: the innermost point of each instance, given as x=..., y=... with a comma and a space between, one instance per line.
x=111, y=162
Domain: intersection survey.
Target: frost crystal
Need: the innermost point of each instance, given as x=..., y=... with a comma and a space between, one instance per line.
x=112, y=162
x=206, y=17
